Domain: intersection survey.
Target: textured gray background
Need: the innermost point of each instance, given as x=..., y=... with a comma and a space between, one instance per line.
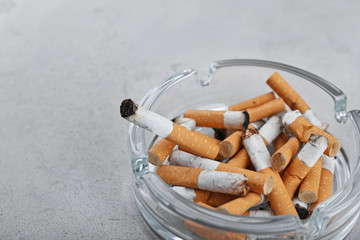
x=66, y=65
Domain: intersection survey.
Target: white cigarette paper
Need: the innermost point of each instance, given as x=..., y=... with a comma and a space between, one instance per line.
x=234, y=119
x=271, y=129
x=314, y=119
x=188, y=193
x=313, y=149
x=301, y=204
x=152, y=122
x=187, y=123
x=261, y=213
x=258, y=153
x=328, y=163
x=258, y=124
x=225, y=182
x=289, y=118
x=185, y=159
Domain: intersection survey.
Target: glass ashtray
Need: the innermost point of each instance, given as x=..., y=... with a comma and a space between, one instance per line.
x=171, y=216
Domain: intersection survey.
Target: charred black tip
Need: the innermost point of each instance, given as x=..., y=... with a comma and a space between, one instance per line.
x=303, y=213
x=247, y=120
x=219, y=133
x=127, y=108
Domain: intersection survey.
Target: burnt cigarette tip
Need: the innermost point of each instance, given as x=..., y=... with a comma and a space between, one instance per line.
x=247, y=120
x=303, y=213
x=248, y=132
x=127, y=108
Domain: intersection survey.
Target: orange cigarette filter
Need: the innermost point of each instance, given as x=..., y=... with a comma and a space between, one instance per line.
x=216, y=199
x=235, y=119
x=160, y=151
x=246, y=213
x=268, y=109
x=201, y=195
x=309, y=187
x=211, y=233
x=280, y=141
x=325, y=188
x=207, y=118
x=179, y=176
x=240, y=160
x=194, y=142
x=206, y=205
x=225, y=182
x=257, y=182
x=281, y=158
x=231, y=145
x=280, y=200
x=294, y=174
x=285, y=91
x=302, y=129
x=240, y=205
x=254, y=102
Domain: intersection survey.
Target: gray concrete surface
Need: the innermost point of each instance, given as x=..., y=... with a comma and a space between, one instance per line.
x=66, y=65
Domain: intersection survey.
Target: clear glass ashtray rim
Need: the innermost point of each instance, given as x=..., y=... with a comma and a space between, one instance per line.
x=321, y=217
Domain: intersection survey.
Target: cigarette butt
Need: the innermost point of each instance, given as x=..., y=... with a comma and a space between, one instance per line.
x=167, y=129
x=285, y=91
x=280, y=141
x=256, y=148
x=266, y=110
x=254, y=102
x=257, y=182
x=219, y=119
x=216, y=199
x=309, y=187
x=279, y=198
x=240, y=205
x=294, y=174
x=269, y=131
x=302, y=129
x=281, y=158
x=293, y=99
x=326, y=181
x=160, y=151
x=260, y=158
x=205, y=205
x=303, y=162
x=193, y=142
x=231, y=145
x=211, y=233
x=225, y=182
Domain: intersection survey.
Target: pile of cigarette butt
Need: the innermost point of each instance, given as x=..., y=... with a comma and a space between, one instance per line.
x=270, y=162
